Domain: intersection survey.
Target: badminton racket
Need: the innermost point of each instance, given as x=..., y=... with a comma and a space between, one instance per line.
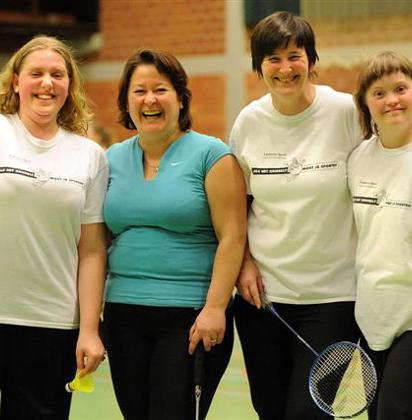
x=342, y=380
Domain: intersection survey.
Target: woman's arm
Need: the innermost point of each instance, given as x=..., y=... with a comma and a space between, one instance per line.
x=250, y=283
x=92, y=270
x=226, y=195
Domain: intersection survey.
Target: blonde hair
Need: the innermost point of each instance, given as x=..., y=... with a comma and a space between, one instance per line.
x=75, y=114
x=382, y=64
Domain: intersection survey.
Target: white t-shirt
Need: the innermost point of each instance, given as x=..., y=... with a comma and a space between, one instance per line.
x=47, y=190
x=301, y=229
x=380, y=181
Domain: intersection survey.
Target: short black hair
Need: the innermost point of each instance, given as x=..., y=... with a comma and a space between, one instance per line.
x=277, y=30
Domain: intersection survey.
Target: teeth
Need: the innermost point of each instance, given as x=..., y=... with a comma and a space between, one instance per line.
x=151, y=113
x=44, y=96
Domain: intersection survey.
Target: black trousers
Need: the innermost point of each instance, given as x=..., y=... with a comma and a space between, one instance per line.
x=35, y=365
x=151, y=368
x=394, y=369
x=278, y=364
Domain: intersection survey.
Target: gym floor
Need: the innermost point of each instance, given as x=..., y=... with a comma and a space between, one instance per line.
x=231, y=402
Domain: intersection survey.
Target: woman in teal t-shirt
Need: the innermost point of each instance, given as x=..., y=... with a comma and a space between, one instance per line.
x=176, y=208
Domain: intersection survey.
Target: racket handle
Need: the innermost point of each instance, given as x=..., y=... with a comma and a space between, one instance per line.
x=198, y=365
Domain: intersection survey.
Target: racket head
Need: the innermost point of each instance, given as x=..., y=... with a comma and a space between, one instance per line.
x=343, y=380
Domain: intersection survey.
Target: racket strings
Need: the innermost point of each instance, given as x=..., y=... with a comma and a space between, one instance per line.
x=343, y=380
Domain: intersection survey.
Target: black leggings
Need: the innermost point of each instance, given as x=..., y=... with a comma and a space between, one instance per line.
x=35, y=365
x=278, y=364
x=151, y=368
x=394, y=368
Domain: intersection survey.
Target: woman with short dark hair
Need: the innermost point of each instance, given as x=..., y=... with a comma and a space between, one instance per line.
x=292, y=145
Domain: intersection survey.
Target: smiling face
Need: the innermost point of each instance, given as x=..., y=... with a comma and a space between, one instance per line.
x=42, y=86
x=389, y=100
x=153, y=104
x=286, y=72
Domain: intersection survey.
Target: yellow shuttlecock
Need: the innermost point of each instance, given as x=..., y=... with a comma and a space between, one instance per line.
x=84, y=384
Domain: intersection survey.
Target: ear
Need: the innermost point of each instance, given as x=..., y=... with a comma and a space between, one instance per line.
x=311, y=69
x=16, y=83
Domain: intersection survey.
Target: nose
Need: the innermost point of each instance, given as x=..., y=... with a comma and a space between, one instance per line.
x=46, y=81
x=285, y=66
x=392, y=100
x=150, y=98
x=392, y=97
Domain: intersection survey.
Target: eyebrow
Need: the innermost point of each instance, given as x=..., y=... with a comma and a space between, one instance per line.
x=299, y=51
x=35, y=67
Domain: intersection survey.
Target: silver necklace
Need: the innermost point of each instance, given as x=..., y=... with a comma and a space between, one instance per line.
x=156, y=168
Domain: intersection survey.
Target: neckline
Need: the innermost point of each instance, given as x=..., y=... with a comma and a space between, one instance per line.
x=292, y=119
x=393, y=150
x=307, y=98
x=163, y=161
x=35, y=141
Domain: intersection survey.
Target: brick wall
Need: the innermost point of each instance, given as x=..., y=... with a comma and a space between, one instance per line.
x=197, y=28
x=183, y=27
x=357, y=32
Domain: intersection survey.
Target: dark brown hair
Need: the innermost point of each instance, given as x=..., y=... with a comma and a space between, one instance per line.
x=276, y=31
x=166, y=64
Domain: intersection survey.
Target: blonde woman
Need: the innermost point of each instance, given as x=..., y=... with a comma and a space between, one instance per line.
x=52, y=252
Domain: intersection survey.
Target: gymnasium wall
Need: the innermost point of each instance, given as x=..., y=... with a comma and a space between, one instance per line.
x=197, y=32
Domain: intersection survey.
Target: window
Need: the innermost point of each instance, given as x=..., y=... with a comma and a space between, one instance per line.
x=256, y=10
x=73, y=20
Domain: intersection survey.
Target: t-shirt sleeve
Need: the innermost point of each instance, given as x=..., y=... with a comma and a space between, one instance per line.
x=353, y=124
x=216, y=150
x=235, y=145
x=96, y=188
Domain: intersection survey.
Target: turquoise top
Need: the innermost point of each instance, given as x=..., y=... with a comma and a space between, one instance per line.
x=164, y=242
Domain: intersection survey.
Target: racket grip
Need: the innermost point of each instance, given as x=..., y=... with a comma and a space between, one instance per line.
x=198, y=365
x=265, y=302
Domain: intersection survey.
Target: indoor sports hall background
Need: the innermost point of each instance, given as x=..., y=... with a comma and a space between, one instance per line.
x=210, y=37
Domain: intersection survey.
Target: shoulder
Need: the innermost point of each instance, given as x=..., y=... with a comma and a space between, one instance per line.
x=330, y=96
x=123, y=148
x=364, y=148
x=4, y=119
x=204, y=142
x=82, y=142
x=84, y=148
x=254, y=109
x=6, y=122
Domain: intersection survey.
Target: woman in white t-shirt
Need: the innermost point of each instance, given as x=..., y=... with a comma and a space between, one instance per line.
x=292, y=145
x=52, y=248
x=380, y=179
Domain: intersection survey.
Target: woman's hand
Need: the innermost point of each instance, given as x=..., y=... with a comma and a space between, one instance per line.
x=209, y=327
x=250, y=283
x=89, y=353
x=92, y=269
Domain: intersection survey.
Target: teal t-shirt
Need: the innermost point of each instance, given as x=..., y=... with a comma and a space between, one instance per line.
x=164, y=242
